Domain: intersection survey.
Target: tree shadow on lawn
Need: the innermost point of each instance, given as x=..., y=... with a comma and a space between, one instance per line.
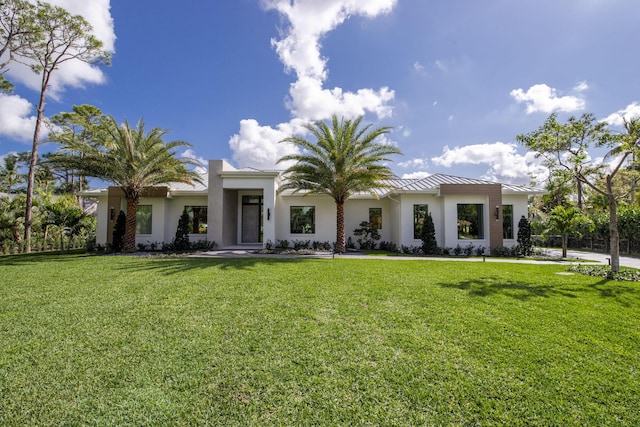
x=176, y=265
x=623, y=292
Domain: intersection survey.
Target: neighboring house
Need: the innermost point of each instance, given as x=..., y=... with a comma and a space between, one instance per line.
x=241, y=208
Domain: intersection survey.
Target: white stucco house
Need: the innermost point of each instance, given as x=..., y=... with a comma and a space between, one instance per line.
x=242, y=208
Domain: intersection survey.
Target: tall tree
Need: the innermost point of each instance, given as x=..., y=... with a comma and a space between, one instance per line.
x=63, y=37
x=10, y=175
x=17, y=29
x=566, y=146
x=133, y=160
x=567, y=221
x=344, y=159
x=81, y=124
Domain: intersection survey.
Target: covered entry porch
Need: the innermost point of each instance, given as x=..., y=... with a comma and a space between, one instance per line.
x=241, y=206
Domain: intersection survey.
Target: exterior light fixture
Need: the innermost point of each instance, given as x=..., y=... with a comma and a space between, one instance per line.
x=112, y=213
x=497, y=213
x=268, y=214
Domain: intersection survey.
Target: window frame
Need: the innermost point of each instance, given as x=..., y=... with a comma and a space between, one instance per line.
x=418, y=221
x=507, y=226
x=375, y=218
x=478, y=221
x=147, y=222
x=193, y=220
x=311, y=225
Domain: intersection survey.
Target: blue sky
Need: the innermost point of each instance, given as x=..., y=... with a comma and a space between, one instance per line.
x=457, y=80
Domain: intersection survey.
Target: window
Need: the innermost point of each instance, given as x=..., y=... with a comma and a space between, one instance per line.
x=375, y=218
x=303, y=219
x=143, y=219
x=507, y=221
x=419, y=214
x=197, y=219
x=470, y=221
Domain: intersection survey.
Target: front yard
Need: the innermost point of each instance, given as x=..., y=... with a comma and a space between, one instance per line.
x=114, y=340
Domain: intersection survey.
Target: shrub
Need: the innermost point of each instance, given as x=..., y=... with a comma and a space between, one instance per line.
x=524, y=237
x=468, y=250
x=480, y=250
x=368, y=235
x=428, y=236
x=389, y=246
x=181, y=240
x=118, y=232
x=457, y=250
x=301, y=244
x=282, y=244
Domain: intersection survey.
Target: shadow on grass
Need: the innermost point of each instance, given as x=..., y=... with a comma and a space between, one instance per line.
x=483, y=287
x=178, y=265
x=625, y=293
x=40, y=257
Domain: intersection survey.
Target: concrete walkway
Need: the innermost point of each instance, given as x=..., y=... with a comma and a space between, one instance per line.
x=575, y=257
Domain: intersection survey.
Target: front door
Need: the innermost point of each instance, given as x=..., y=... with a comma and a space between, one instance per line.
x=251, y=219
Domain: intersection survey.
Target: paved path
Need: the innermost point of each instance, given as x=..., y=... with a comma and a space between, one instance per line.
x=574, y=257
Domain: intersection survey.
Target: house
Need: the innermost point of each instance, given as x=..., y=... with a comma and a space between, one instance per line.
x=242, y=207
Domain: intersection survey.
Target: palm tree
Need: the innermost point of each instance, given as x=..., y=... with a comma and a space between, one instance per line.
x=345, y=159
x=133, y=160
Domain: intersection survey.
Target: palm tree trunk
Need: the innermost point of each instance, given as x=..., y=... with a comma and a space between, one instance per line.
x=340, y=227
x=130, y=226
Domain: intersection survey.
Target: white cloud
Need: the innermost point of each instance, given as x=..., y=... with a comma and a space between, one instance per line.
x=418, y=68
x=307, y=22
x=542, y=98
x=504, y=162
x=200, y=162
x=415, y=175
x=260, y=147
x=629, y=112
x=15, y=119
x=414, y=163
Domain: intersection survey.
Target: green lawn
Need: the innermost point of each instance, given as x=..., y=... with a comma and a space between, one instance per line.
x=109, y=340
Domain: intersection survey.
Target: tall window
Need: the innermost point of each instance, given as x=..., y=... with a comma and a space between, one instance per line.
x=419, y=214
x=507, y=221
x=470, y=221
x=303, y=219
x=197, y=219
x=375, y=218
x=143, y=219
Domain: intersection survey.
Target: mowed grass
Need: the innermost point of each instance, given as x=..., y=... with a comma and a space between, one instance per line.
x=88, y=340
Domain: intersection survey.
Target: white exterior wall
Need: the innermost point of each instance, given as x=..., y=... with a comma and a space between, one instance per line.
x=406, y=219
x=357, y=210
x=520, y=208
x=174, y=208
x=102, y=220
x=450, y=215
x=158, y=220
x=325, y=211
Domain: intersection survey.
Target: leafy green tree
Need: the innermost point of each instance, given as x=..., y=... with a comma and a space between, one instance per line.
x=566, y=147
x=344, y=159
x=61, y=37
x=11, y=218
x=524, y=237
x=10, y=175
x=428, y=236
x=63, y=213
x=82, y=124
x=132, y=159
x=566, y=221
